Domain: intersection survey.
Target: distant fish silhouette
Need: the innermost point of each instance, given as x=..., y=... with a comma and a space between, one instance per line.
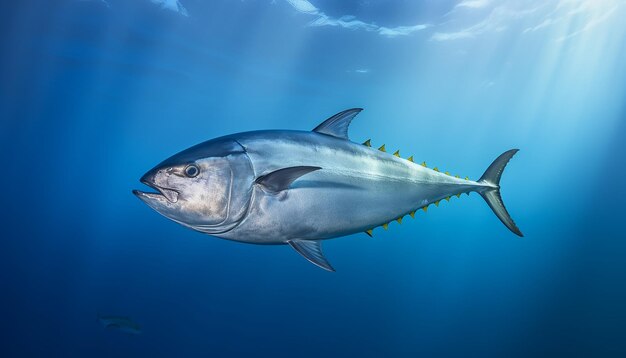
x=124, y=324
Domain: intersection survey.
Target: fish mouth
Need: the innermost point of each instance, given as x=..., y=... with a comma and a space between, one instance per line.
x=170, y=195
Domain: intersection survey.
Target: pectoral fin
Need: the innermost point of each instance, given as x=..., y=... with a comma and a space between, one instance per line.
x=281, y=179
x=312, y=251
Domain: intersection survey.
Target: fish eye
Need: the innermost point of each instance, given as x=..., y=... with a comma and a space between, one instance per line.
x=191, y=171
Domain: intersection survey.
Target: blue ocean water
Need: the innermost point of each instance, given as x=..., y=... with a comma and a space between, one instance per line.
x=95, y=93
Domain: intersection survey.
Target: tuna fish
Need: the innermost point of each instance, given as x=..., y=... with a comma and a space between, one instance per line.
x=299, y=188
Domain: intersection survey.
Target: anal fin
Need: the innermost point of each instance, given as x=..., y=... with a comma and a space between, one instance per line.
x=312, y=251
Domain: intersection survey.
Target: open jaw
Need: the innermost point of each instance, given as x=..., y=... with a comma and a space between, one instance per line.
x=170, y=195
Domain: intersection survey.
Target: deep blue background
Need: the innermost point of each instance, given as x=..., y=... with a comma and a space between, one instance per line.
x=93, y=96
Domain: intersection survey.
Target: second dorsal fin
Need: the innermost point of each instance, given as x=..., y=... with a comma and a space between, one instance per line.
x=337, y=125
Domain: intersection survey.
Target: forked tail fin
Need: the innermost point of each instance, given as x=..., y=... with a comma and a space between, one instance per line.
x=491, y=194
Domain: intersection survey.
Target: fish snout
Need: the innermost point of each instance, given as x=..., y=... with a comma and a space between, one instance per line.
x=149, y=178
x=157, y=179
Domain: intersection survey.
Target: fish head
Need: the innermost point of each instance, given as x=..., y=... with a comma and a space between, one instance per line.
x=207, y=187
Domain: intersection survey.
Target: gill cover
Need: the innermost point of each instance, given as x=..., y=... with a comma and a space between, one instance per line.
x=215, y=198
x=229, y=180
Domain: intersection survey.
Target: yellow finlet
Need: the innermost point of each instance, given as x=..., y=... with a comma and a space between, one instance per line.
x=466, y=178
x=425, y=208
x=385, y=226
x=397, y=153
x=369, y=232
x=382, y=148
x=458, y=195
x=399, y=220
x=410, y=159
x=447, y=173
x=436, y=169
x=456, y=176
x=448, y=198
x=437, y=203
x=412, y=213
x=424, y=164
x=368, y=143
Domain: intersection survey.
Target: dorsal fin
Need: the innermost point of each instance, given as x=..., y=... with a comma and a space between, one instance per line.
x=337, y=125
